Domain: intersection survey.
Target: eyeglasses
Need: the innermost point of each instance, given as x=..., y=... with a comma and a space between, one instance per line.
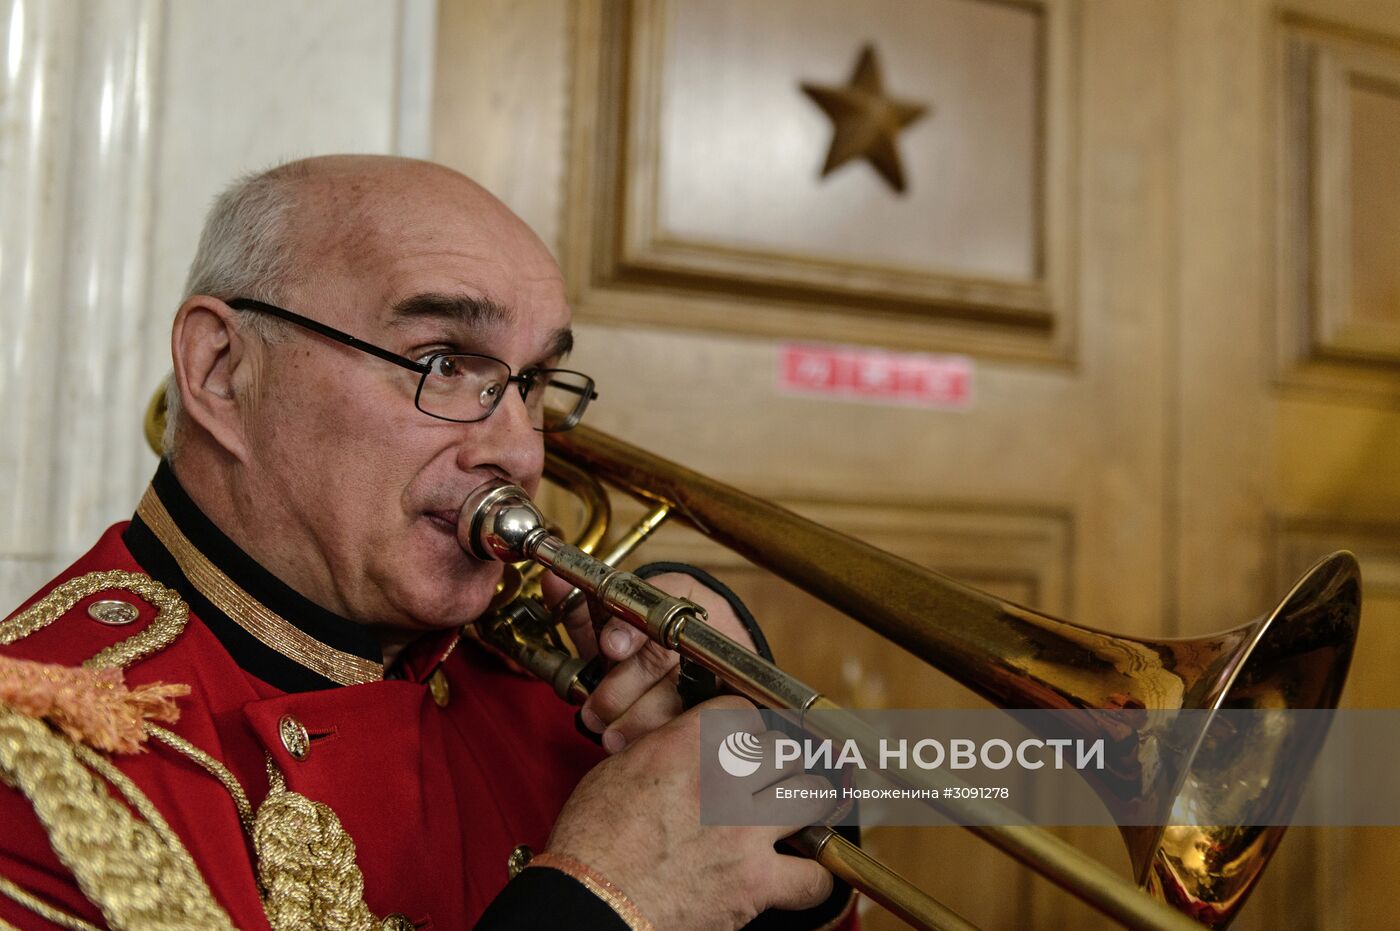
x=465, y=387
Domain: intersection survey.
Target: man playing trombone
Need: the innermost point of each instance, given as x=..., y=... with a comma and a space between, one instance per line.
x=253, y=705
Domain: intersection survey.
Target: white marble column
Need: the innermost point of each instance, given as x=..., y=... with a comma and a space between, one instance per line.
x=76, y=102
x=119, y=122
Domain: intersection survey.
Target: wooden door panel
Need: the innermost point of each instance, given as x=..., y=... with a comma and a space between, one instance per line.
x=1165, y=428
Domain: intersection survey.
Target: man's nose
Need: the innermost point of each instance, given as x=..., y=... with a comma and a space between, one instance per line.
x=507, y=440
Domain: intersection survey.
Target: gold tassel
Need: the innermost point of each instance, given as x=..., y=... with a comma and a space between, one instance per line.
x=92, y=706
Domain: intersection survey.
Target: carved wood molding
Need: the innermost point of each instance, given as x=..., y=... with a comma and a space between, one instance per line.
x=82, y=99
x=1332, y=332
x=624, y=265
x=1302, y=541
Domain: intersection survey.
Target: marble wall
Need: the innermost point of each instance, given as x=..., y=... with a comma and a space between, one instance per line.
x=119, y=122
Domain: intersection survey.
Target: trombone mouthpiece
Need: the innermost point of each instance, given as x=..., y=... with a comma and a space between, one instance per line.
x=499, y=521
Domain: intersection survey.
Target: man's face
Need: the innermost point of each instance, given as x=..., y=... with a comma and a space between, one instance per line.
x=361, y=488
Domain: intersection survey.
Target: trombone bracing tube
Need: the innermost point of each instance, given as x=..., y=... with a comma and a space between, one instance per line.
x=504, y=524
x=880, y=883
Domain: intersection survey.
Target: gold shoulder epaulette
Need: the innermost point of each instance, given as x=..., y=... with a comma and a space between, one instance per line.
x=171, y=615
x=55, y=719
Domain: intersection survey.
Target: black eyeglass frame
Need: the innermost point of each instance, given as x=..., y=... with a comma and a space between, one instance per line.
x=424, y=369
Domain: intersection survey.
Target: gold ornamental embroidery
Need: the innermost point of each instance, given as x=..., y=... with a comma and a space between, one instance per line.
x=136, y=871
x=306, y=864
x=171, y=615
x=247, y=612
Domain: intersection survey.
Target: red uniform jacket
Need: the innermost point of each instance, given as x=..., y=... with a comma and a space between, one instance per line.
x=437, y=771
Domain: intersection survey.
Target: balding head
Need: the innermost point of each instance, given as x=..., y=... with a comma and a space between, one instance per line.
x=270, y=229
x=270, y=232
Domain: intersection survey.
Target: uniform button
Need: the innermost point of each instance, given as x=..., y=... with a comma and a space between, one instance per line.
x=294, y=737
x=519, y=858
x=437, y=685
x=396, y=922
x=114, y=613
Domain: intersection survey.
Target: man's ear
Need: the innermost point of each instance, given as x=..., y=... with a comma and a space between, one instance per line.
x=210, y=356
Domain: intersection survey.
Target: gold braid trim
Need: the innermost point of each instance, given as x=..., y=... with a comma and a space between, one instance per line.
x=597, y=884
x=41, y=908
x=137, y=873
x=247, y=612
x=306, y=864
x=216, y=769
x=171, y=617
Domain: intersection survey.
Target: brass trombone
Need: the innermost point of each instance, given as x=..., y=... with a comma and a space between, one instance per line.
x=1295, y=657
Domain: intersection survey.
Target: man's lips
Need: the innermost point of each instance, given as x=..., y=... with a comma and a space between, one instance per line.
x=446, y=521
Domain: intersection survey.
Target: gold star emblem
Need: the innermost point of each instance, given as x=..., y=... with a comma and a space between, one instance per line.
x=866, y=120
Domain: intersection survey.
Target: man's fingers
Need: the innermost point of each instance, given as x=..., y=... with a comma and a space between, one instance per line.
x=808, y=799
x=592, y=630
x=629, y=680
x=577, y=622
x=721, y=615
x=770, y=776
x=553, y=588
x=580, y=623
x=745, y=715
x=619, y=640
x=797, y=882
x=659, y=704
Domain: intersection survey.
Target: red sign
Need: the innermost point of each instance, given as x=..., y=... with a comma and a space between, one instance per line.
x=876, y=375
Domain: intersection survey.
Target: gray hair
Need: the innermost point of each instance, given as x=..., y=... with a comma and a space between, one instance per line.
x=244, y=251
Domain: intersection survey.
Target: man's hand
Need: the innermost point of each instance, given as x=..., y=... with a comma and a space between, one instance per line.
x=635, y=819
x=638, y=694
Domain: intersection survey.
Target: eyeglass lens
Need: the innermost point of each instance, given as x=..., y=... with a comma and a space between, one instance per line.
x=468, y=388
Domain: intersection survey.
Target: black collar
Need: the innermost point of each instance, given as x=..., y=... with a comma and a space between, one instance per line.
x=270, y=630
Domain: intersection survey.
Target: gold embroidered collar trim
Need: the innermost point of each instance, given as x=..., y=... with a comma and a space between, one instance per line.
x=247, y=612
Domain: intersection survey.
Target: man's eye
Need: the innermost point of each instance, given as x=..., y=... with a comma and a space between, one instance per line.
x=447, y=366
